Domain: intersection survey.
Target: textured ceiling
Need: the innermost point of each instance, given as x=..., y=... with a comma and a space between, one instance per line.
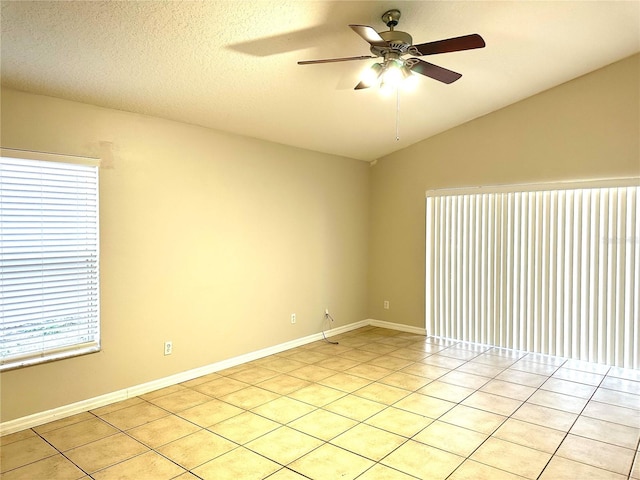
x=231, y=65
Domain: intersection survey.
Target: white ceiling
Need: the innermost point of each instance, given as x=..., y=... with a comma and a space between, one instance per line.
x=231, y=65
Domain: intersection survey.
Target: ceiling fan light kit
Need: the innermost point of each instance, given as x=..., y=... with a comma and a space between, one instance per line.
x=392, y=45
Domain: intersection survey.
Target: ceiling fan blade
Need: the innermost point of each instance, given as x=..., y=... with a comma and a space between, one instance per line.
x=466, y=42
x=433, y=71
x=331, y=60
x=369, y=35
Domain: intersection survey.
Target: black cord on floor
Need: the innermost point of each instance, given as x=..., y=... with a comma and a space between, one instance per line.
x=328, y=317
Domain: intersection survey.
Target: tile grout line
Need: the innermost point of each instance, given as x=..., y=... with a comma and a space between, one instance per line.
x=466, y=361
x=491, y=435
x=432, y=380
x=61, y=453
x=414, y=391
x=386, y=406
x=572, y=425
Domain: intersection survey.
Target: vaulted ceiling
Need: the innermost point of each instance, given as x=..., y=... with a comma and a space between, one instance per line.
x=232, y=65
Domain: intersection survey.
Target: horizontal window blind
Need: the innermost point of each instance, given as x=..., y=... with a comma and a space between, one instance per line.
x=553, y=271
x=49, y=261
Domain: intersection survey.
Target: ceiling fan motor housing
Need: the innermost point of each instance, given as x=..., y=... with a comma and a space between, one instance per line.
x=398, y=41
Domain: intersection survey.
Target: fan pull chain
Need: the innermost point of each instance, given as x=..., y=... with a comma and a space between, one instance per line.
x=397, y=114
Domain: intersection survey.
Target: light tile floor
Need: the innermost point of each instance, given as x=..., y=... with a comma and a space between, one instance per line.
x=381, y=405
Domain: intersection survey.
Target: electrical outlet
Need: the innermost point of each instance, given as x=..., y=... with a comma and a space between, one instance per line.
x=386, y=304
x=293, y=318
x=168, y=348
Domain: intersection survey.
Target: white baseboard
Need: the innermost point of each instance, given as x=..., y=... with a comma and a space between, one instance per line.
x=47, y=416
x=397, y=326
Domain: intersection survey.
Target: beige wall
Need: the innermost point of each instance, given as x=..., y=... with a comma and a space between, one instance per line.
x=207, y=239
x=588, y=128
x=211, y=240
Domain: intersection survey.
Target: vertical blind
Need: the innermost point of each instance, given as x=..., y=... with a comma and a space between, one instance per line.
x=49, y=270
x=546, y=269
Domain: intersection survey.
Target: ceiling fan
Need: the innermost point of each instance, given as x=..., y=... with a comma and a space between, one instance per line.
x=393, y=45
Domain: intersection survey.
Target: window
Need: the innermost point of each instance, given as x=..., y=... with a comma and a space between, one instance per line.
x=552, y=269
x=49, y=259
